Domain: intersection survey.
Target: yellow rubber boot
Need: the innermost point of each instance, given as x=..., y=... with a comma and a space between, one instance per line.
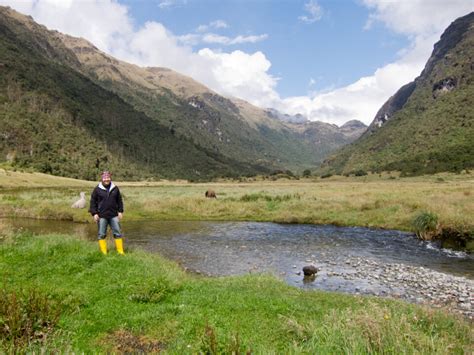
x=119, y=246
x=103, y=246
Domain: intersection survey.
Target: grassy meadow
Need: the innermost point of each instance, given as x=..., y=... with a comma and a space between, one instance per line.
x=59, y=294
x=383, y=201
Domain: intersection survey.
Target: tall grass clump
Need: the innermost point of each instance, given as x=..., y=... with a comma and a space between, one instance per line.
x=425, y=225
x=27, y=317
x=252, y=197
x=212, y=344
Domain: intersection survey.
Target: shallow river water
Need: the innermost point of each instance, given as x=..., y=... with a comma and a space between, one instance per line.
x=355, y=260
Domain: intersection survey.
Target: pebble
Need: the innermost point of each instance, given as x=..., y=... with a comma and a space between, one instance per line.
x=412, y=283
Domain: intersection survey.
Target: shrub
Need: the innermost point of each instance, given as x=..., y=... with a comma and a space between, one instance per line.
x=360, y=172
x=307, y=173
x=324, y=176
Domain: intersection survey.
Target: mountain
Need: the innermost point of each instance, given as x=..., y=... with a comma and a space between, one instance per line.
x=70, y=109
x=58, y=121
x=298, y=118
x=428, y=125
x=353, y=129
x=231, y=127
x=191, y=110
x=328, y=137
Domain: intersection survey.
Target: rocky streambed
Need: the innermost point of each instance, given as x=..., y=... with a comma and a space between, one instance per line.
x=416, y=284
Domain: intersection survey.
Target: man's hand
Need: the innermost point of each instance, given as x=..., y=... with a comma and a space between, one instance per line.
x=120, y=215
x=96, y=217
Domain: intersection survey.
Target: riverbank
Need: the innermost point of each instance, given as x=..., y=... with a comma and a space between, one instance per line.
x=89, y=302
x=411, y=283
x=353, y=260
x=386, y=201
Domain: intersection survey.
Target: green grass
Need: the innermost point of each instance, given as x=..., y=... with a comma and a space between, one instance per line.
x=374, y=201
x=142, y=302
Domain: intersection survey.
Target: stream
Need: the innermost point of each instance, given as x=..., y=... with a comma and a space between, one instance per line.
x=354, y=260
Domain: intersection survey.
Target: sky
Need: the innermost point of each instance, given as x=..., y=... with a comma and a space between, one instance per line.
x=330, y=60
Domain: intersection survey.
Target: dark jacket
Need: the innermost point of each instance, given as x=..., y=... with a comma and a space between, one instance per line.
x=106, y=203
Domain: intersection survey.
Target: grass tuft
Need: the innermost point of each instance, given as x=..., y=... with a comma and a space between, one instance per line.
x=425, y=225
x=212, y=344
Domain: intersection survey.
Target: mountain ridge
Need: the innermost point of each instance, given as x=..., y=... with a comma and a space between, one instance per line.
x=230, y=136
x=427, y=126
x=279, y=142
x=53, y=118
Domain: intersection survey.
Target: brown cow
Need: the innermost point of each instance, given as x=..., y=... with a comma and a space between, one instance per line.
x=210, y=194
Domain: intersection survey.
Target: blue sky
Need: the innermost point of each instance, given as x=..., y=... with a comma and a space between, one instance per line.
x=330, y=60
x=333, y=51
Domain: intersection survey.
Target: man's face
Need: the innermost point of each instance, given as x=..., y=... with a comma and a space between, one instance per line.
x=106, y=181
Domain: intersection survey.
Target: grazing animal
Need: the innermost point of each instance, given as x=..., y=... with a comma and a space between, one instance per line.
x=210, y=194
x=81, y=203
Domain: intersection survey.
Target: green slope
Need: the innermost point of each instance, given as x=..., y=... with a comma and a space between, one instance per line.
x=211, y=121
x=55, y=120
x=428, y=126
x=230, y=127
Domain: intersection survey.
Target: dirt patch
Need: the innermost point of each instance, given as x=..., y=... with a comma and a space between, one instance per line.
x=124, y=341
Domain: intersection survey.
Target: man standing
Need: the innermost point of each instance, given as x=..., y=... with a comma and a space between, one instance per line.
x=107, y=209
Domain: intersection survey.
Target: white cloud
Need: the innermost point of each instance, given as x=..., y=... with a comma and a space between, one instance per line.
x=217, y=24
x=193, y=39
x=243, y=75
x=417, y=17
x=190, y=39
x=213, y=38
x=109, y=26
x=315, y=12
x=164, y=4
x=202, y=28
x=105, y=23
x=203, y=35
x=422, y=21
x=360, y=100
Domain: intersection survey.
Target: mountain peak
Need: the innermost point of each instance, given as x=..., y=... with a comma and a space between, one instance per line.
x=284, y=117
x=428, y=125
x=455, y=33
x=354, y=124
